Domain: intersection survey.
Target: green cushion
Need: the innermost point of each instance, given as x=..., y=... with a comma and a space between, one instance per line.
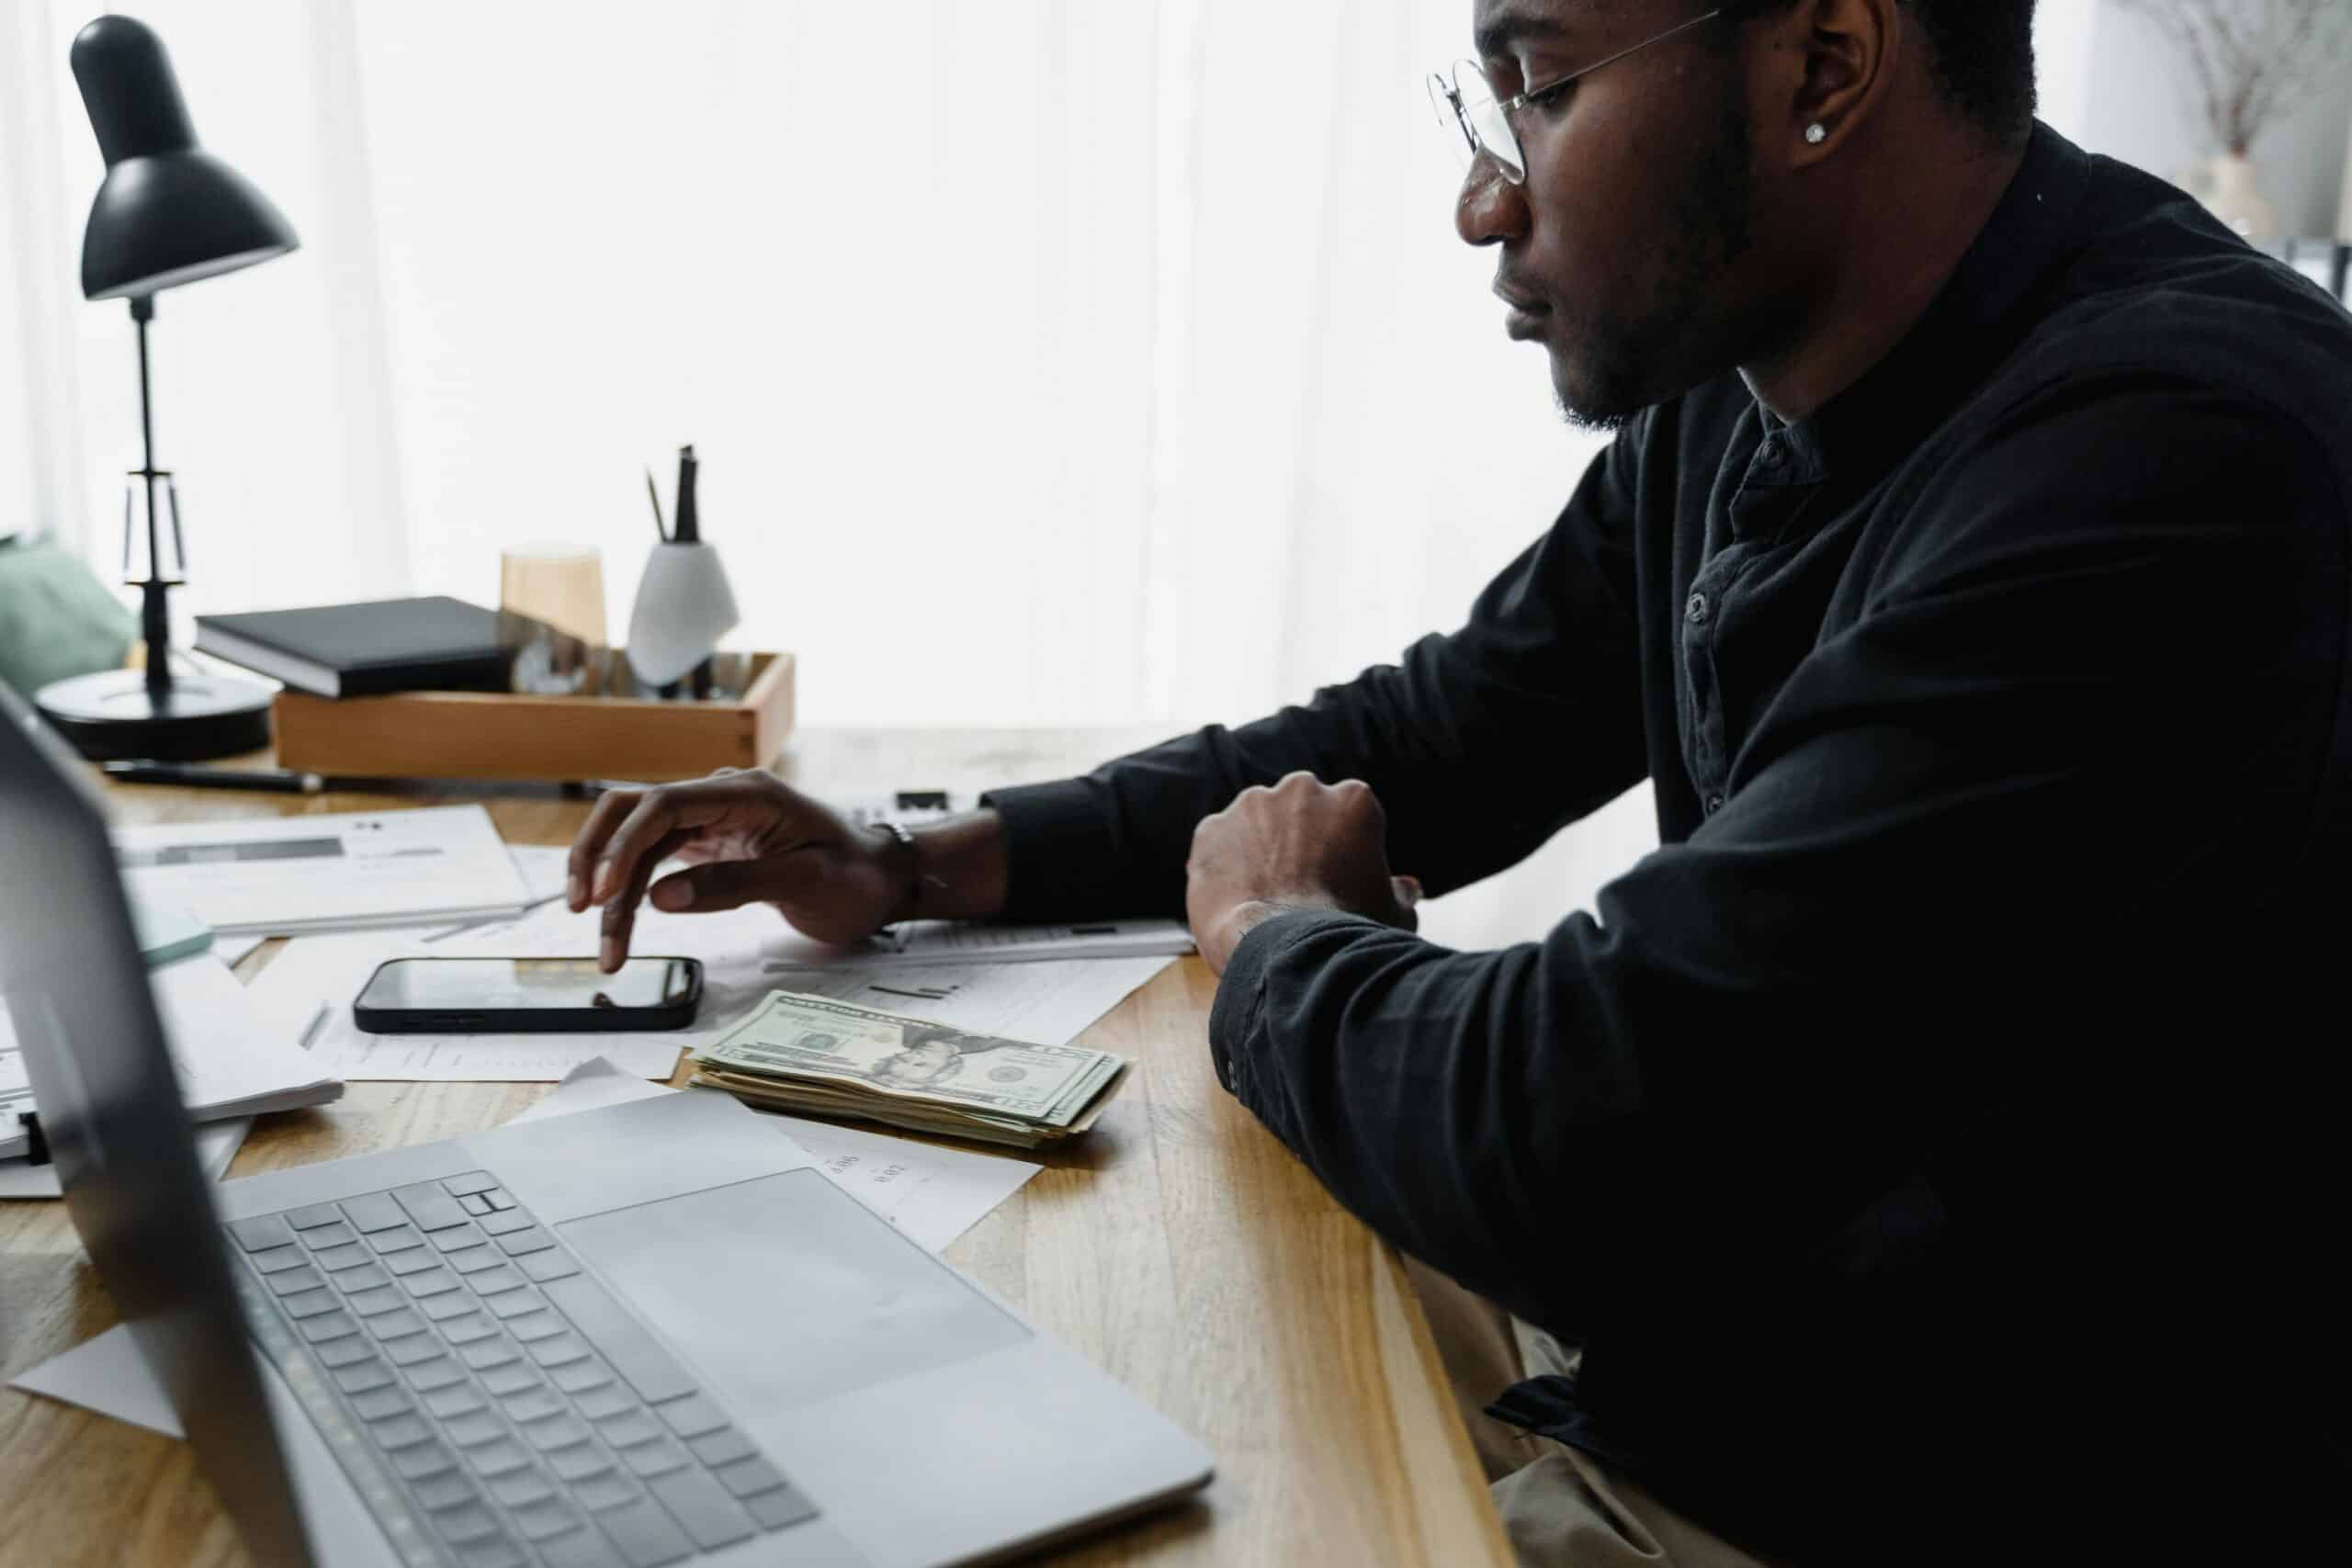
x=56, y=618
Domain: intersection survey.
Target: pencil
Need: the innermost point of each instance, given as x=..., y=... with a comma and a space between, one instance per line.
x=654, y=495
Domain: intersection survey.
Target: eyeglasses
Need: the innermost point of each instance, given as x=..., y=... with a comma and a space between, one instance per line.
x=1466, y=102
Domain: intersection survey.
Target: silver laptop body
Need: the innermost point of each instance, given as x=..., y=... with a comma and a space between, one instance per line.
x=646, y=1333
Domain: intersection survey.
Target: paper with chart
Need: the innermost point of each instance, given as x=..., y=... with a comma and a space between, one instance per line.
x=285, y=874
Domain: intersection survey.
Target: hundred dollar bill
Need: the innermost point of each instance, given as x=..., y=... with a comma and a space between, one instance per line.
x=865, y=1052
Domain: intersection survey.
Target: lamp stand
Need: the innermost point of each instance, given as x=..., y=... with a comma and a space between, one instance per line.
x=129, y=713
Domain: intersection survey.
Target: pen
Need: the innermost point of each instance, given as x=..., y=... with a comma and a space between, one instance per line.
x=654, y=495
x=148, y=771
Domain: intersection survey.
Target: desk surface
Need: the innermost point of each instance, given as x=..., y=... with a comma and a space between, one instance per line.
x=1181, y=1247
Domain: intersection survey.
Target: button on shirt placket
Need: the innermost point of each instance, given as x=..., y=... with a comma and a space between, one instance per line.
x=1778, y=483
x=1702, y=615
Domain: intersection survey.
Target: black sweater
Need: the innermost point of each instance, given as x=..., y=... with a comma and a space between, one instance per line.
x=1942, y=1121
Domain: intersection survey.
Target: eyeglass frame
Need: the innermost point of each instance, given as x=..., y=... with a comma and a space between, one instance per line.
x=1448, y=95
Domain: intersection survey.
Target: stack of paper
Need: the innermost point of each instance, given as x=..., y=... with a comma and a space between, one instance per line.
x=231, y=1060
x=278, y=876
x=804, y=1052
x=231, y=1063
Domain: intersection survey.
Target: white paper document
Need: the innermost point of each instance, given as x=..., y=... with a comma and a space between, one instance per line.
x=951, y=942
x=285, y=874
x=106, y=1374
x=543, y=868
x=932, y=1194
x=1047, y=1003
x=232, y=1058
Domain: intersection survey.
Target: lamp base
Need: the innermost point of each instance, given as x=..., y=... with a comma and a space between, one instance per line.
x=112, y=714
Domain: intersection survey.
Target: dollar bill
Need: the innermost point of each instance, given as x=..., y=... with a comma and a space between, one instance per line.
x=862, y=1053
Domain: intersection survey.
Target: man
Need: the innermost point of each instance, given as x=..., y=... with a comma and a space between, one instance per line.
x=1928, y=1153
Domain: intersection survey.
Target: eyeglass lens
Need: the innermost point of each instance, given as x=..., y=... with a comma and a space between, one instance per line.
x=1465, y=102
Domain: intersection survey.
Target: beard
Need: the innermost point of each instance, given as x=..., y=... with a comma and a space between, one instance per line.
x=1609, y=369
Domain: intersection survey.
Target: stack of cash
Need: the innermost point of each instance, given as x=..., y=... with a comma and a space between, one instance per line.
x=829, y=1058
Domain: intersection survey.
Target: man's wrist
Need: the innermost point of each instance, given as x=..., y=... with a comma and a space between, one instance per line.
x=955, y=869
x=902, y=864
x=1244, y=918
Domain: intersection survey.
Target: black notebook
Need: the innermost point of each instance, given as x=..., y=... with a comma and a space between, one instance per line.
x=352, y=650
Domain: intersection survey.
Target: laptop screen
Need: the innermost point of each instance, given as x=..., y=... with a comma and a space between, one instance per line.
x=75, y=988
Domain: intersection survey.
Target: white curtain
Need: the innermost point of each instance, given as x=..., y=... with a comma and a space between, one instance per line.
x=1051, y=361
x=2062, y=31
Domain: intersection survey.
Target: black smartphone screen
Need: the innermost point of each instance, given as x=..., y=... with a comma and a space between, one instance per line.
x=643, y=988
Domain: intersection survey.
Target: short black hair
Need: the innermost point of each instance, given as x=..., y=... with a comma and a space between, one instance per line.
x=1982, y=55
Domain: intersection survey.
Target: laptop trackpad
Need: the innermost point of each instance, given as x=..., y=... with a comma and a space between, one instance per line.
x=785, y=1289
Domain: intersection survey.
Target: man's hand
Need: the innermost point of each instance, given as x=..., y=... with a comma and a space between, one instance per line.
x=747, y=837
x=1300, y=845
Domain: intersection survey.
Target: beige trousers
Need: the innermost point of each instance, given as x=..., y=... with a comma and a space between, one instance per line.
x=1562, y=1508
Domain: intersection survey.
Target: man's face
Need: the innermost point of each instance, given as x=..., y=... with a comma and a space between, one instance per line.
x=1619, y=252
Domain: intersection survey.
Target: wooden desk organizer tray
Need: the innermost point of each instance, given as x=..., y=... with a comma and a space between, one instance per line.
x=501, y=734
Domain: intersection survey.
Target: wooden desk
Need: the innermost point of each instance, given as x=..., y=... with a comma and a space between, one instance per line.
x=1181, y=1247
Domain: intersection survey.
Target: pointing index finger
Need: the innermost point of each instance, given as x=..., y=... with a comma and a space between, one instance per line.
x=611, y=807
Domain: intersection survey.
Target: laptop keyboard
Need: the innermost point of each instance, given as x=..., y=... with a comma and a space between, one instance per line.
x=524, y=1410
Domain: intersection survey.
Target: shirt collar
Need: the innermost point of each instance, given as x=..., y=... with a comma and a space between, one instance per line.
x=1977, y=319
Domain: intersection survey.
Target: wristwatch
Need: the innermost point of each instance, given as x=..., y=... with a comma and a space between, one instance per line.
x=899, y=846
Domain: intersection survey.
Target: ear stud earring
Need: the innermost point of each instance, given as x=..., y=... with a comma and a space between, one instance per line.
x=1816, y=133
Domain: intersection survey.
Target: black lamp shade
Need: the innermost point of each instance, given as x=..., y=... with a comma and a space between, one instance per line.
x=168, y=212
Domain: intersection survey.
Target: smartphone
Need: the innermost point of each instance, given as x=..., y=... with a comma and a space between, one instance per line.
x=522, y=996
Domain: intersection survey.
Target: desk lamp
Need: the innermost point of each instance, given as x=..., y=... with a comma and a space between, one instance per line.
x=167, y=213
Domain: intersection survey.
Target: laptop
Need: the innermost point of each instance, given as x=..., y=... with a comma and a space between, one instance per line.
x=649, y=1334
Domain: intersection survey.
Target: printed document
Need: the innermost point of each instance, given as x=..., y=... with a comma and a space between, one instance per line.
x=948, y=941
x=278, y=876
